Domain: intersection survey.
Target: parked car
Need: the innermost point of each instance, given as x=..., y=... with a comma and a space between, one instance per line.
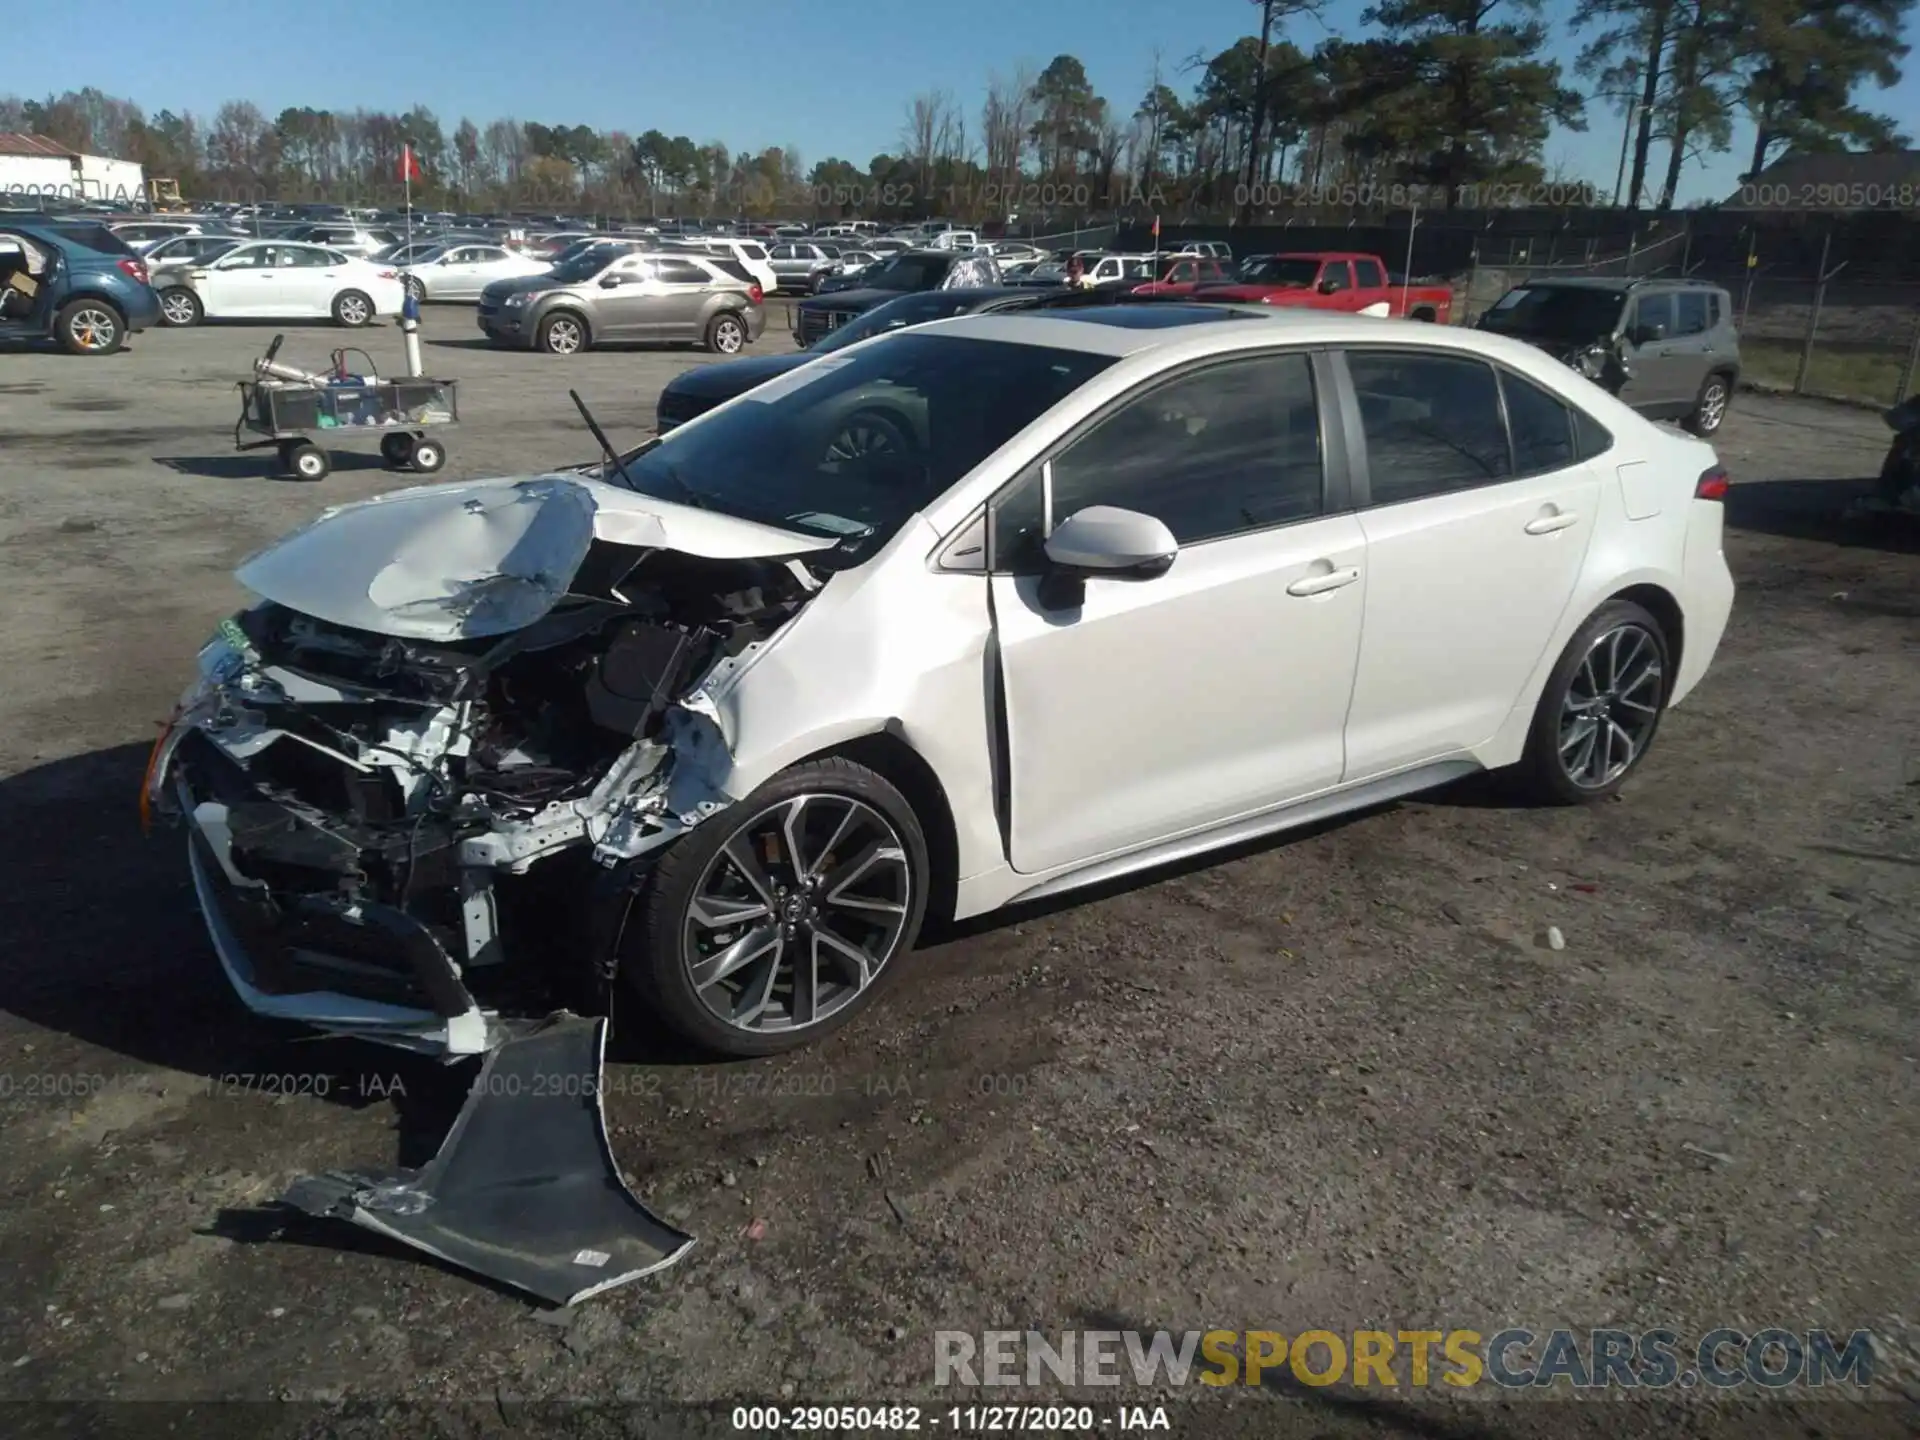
x=1678, y=338
x=360, y=240
x=463, y=271
x=1335, y=280
x=76, y=283
x=141, y=235
x=843, y=298
x=692, y=393
x=188, y=250
x=281, y=280
x=796, y=263
x=615, y=294
x=756, y=709
x=748, y=252
x=1211, y=249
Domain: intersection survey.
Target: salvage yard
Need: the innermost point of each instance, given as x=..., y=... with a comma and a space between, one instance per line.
x=1342, y=1080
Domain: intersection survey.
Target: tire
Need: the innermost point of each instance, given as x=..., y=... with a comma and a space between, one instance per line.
x=307, y=461
x=180, y=307
x=1426, y=315
x=89, y=327
x=396, y=450
x=1559, y=768
x=427, y=456
x=353, y=309
x=863, y=828
x=726, y=334
x=1710, y=406
x=867, y=435
x=564, y=333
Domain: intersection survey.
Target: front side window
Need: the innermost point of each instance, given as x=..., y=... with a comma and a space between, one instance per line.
x=1432, y=424
x=1337, y=277
x=1221, y=451
x=1651, y=312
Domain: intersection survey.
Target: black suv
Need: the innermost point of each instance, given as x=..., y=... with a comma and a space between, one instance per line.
x=1676, y=336
x=841, y=301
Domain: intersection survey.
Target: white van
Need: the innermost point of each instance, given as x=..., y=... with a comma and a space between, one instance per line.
x=955, y=240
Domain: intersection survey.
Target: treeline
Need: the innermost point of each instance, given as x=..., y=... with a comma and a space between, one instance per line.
x=1439, y=99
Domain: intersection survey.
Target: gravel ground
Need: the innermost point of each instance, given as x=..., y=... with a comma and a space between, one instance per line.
x=1333, y=1082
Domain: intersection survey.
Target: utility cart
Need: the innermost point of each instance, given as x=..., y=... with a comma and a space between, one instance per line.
x=290, y=407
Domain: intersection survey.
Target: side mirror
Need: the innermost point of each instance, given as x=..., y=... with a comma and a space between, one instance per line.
x=1647, y=334
x=612, y=282
x=1329, y=287
x=1104, y=542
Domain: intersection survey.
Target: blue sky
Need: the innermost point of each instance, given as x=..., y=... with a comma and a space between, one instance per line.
x=829, y=77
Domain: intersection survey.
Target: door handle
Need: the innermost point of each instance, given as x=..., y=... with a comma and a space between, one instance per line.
x=1548, y=524
x=1321, y=584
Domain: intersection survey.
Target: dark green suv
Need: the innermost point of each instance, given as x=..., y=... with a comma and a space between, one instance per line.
x=1677, y=337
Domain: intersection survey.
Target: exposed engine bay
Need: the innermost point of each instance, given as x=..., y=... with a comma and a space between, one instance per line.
x=383, y=821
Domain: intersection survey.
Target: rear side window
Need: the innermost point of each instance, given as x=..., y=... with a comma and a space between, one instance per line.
x=735, y=269
x=1692, y=314
x=753, y=252
x=680, y=272
x=1590, y=438
x=1432, y=422
x=97, y=238
x=1542, y=427
x=1367, y=275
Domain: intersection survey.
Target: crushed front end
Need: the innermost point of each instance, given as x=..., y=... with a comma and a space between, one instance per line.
x=397, y=837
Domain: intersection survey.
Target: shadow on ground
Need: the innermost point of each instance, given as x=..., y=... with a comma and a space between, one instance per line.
x=1818, y=510
x=262, y=466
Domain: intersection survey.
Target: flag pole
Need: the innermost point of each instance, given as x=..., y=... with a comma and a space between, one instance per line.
x=406, y=179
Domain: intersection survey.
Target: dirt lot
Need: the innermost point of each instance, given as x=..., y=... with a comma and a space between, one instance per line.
x=1336, y=1082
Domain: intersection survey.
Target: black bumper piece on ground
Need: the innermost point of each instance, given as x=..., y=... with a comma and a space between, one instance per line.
x=524, y=1189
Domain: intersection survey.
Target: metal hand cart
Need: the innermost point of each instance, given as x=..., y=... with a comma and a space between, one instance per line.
x=400, y=411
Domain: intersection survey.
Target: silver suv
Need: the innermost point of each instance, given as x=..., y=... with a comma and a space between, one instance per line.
x=1677, y=338
x=615, y=294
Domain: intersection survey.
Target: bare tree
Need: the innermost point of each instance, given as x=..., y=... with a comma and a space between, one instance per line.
x=1005, y=120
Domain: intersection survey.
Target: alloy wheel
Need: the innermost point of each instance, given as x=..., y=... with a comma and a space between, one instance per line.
x=563, y=336
x=797, y=913
x=1713, y=406
x=1611, y=706
x=862, y=438
x=353, y=310
x=93, y=328
x=178, y=307
x=727, y=337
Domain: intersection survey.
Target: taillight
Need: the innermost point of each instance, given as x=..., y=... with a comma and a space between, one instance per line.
x=135, y=269
x=1713, y=484
x=755, y=295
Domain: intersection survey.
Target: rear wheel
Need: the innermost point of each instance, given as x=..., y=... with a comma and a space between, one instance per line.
x=426, y=456
x=773, y=923
x=1710, y=406
x=395, y=449
x=726, y=334
x=89, y=327
x=1600, y=709
x=307, y=461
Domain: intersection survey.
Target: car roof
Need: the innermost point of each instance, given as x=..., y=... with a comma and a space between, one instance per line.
x=1126, y=329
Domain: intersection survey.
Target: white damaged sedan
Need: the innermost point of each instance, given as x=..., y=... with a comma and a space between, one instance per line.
x=967, y=614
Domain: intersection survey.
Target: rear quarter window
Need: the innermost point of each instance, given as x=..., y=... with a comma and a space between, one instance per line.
x=96, y=238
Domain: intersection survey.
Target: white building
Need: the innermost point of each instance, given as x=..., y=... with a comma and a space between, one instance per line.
x=35, y=169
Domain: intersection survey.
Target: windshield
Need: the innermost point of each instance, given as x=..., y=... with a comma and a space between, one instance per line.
x=1297, y=271
x=583, y=266
x=853, y=446
x=905, y=272
x=1573, y=311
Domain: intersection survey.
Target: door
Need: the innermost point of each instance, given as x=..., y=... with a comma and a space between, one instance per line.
x=27, y=272
x=309, y=277
x=685, y=286
x=1370, y=289
x=1218, y=689
x=242, y=283
x=631, y=307
x=1475, y=541
x=1336, y=286
x=1657, y=360
x=468, y=271
x=1691, y=342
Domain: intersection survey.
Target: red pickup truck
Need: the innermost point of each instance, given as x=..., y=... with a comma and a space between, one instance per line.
x=1334, y=280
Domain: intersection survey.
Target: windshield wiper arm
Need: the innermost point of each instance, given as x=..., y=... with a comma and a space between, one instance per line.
x=606, y=445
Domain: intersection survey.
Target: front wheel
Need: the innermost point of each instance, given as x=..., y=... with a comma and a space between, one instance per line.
x=773, y=923
x=180, y=306
x=1600, y=709
x=352, y=309
x=563, y=334
x=426, y=456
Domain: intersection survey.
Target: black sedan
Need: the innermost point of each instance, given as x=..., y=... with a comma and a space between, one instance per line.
x=694, y=392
